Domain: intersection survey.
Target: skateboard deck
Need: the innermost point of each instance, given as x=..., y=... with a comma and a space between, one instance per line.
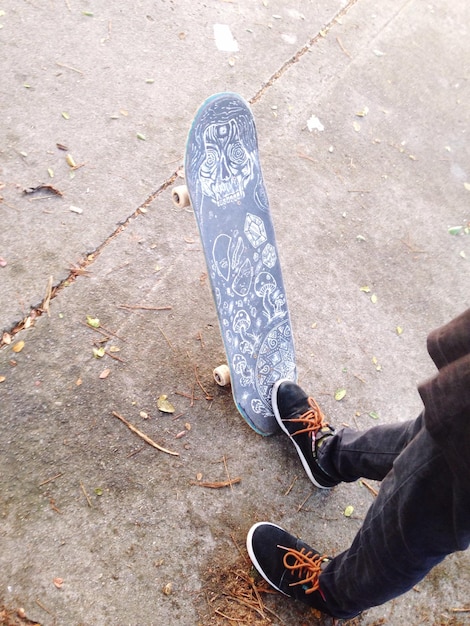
x=230, y=203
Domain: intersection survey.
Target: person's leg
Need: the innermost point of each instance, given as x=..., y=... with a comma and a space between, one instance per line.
x=330, y=457
x=420, y=515
x=350, y=454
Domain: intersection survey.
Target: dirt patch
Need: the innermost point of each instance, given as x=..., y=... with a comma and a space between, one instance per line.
x=236, y=594
x=14, y=617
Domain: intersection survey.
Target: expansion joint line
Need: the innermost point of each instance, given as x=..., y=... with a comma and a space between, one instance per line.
x=300, y=53
x=80, y=268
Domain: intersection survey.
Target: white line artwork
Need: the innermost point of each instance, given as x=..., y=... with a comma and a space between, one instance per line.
x=232, y=209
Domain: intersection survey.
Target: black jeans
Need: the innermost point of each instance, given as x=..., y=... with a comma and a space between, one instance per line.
x=422, y=513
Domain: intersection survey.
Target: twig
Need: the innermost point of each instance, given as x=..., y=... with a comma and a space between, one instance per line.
x=306, y=156
x=242, y=554
x=251, y=582
x=217, y=485
x=113, y=356
x=342, y=47
x=53, y=506
x=143, y=436
x=68, y=67
x=47, y=298
x=369, y=487
x=199, y=338
x=166, y=338
x=230, y=619
x=135, y=452
x=226, y=471
x=101, y=329
x=464, y=609
x=110, y=332
x=208, y=396
x=250, y=605
x=299, y=508
x=49, y=480
x=291, y=486
x=86, y=495
x=41, y=605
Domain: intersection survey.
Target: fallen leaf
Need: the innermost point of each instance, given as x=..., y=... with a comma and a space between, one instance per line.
x=348, y=511
x=18, y=346
x=94, y=322
x=164, y=405
x=168, y=589
x=374, y=415
x=2, y=379
x=99, y=353
x=340, y=393
x=70, y=160
x=373, y=298
x=3, y=263
x=105, y=373
x=399, y=330
x=58, y=582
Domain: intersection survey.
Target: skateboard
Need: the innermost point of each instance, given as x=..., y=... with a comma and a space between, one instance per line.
x=225, y=188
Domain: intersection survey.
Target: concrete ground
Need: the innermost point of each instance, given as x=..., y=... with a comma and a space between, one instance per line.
x=362, y=110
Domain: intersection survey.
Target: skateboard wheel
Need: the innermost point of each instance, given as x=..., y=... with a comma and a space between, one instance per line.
x=180, y=197
x=222, y=375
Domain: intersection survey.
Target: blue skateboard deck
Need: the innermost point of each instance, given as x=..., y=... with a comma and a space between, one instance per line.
x=229, y=200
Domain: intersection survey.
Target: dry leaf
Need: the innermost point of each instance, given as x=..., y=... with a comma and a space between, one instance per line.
x=164, y=405
x=18, y=346
x=94, y=322
x=168, y=589
x=58, y=582
x=2, y=379
x=105, y=373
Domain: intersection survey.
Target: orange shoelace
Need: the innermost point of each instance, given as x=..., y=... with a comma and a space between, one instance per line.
x=313, y=419
x=304, y=565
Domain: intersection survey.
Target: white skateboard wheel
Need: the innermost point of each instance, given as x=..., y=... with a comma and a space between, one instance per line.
x=222, y=375
x=180, y=197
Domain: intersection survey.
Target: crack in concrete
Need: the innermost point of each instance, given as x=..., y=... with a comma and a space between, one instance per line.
x=79, y=269
x=300, y=53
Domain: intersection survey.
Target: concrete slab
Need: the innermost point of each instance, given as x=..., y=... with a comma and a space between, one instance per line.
x=364, y=203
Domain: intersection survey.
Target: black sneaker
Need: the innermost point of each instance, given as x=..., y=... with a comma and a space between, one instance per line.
x=301, y=419
x=287, y=563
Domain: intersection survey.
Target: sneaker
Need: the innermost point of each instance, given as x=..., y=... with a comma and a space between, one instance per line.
x=301, y=419
x=287, y=563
